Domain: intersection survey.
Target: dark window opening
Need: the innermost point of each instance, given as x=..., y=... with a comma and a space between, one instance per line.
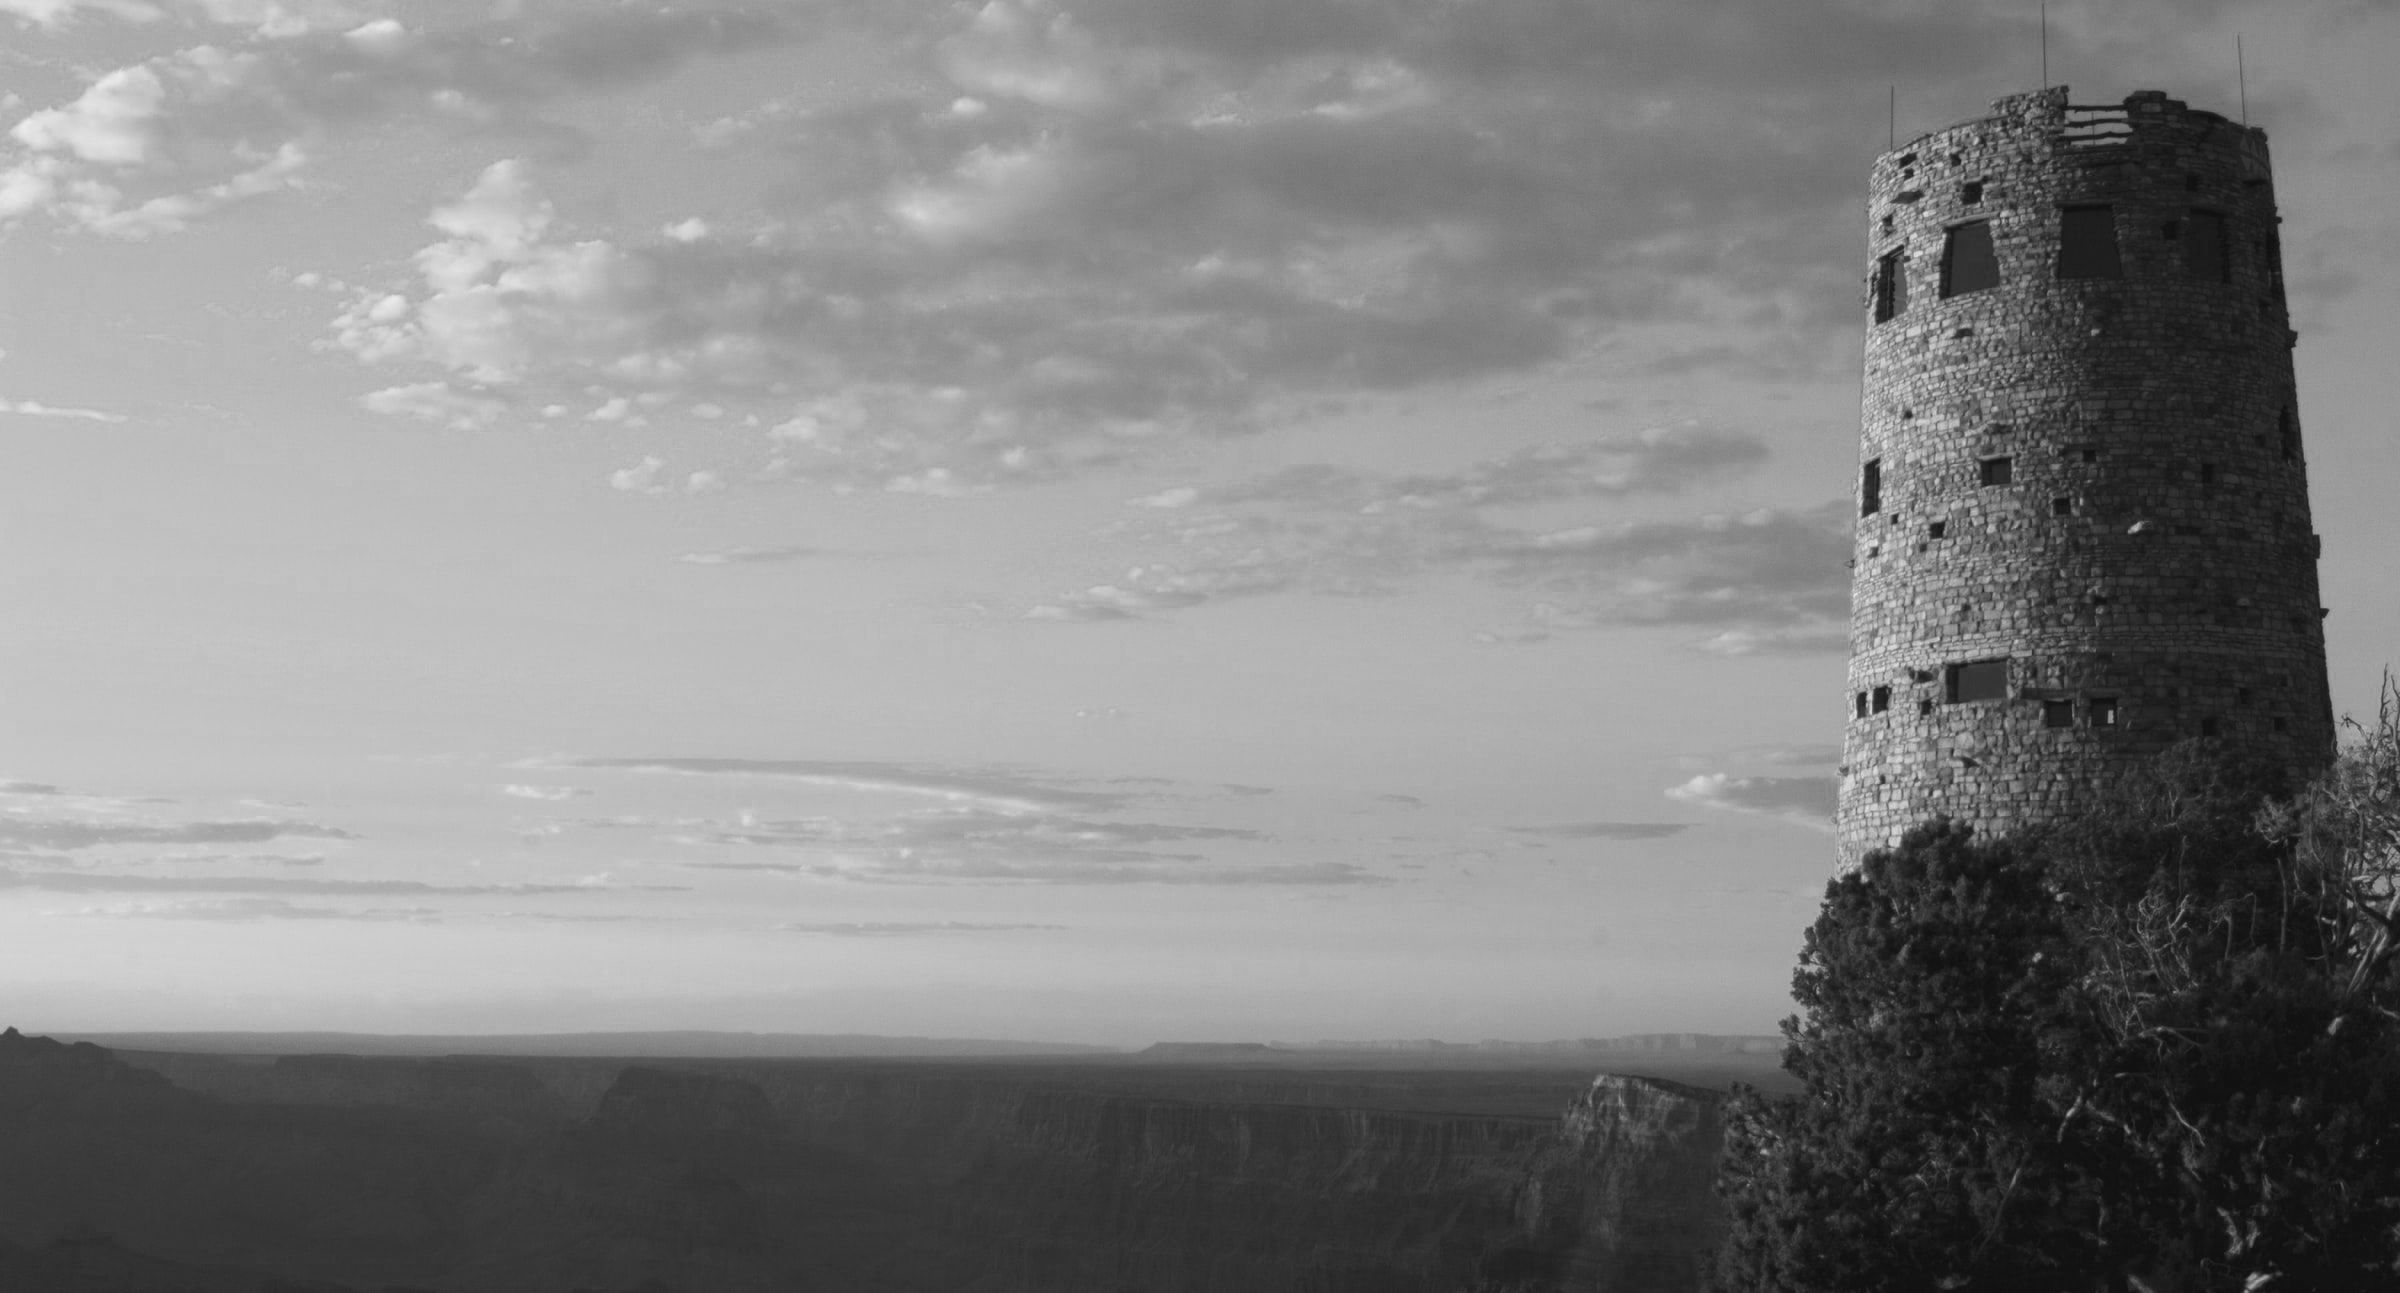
x=2289, y=433
x=1891, y=285
x=2191, y=182
x=1870, y=487
x=2091, y=455
x=1968, y=264
x=1907, y=160
x=1971, y=192
x=2062, y=507
x=1936, y=529
x=2104, y=711
x=1976, y=680
x=2204, y=252
x=1880, y=699
x=2208, y=473
x=1887, y=222
x=2171, y=230
x=2087, y=243
x=2211, y=727
x=2241, y=695
x=1998, y=471
x=1924, y=707
x=2283, y=725
x=1859, y=704
x=2058, y=713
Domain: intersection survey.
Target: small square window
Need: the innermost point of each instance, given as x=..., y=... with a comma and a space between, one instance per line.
x=2062, y=507
x=1968, y=262
x=1936, y=529
x=1880, y=700
x=2283, y=725
x=2104, y=711
x=2208, y=473
x=1976, y=680
x=2058, y=713
x=1998, y=471
x=2211, y=727
x=2091, y=455
x=1971, y=191
x=2087, y=243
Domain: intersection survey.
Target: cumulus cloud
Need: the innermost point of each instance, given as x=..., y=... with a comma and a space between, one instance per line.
x=152, y=146
x=1097, y=226
x=1807, y=801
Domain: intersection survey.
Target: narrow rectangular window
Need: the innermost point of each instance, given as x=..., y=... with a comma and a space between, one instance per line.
x=1860, y=704
x=1968, y=264
x=2208, y=473
x=2058, y=713
x=2289, y=432
x=1998, y=471
x=2087, y=243
x=1870, y=487
x=2204, y=248
x=2104, y=711
x=1891, y=285
x=1976, y=680
x=1880, y=700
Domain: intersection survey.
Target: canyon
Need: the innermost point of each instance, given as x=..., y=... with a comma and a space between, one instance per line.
x=319, y=1173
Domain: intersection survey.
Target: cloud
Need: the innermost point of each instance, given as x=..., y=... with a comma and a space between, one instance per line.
x=62, y=834
x=911, y=929
x=750, y=556
x=996, y=871
x=52, y=13
x=1096, y=228
x=436, y=402
x=252, y=909
x=37, y=409
x=548, y=794
x=150, y=147
x=988, y=789
x=1605, y=830
x=28, y=788
x=89, y=882
x=1807, y=801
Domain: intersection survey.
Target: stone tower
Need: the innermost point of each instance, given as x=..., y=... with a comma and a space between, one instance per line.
x=2083, y=529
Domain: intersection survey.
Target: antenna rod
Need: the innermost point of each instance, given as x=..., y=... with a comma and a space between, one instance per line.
x=1891, y=121
x=2045, y=44
x=2241, y=74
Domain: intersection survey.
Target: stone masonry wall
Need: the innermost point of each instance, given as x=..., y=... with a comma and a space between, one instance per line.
x=2144, y=562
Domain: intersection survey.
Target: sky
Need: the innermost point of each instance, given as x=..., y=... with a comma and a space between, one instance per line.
x=1079, y=520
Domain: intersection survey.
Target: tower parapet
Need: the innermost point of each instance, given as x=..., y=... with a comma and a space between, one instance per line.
x=2083, y=526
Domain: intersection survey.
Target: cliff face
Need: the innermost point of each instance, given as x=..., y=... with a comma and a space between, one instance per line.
x=860, y=1178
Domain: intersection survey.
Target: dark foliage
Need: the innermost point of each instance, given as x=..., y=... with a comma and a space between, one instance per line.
x=2155, y=1049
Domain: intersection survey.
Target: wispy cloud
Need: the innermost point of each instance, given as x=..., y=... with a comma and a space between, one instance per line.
x=63, y=834
x=545, y=794
x=749, y=556
x=255, y=909
x=37, y=409
x=1605, y=830
x=994, y=789
x=1807, y=801
x=913, y=929
x=94, y=882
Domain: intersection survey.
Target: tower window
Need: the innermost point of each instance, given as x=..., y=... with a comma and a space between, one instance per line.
x=1936, y=529
x=2283, y=725
x=2289, y=432
x=1870, y=487
x=1968, y=264
x=1976, y=680
x=2087, y=243
x=2058, y=713
x=2204, y=251
x=1998, y=471
x=1879, y=700
x=2062, y=507
x=2091, y=455
x=1891, y=285
x=1924, y=707
x=2208, y=473
x=1859, y=705
x=2212, y=727
x=1971, y=192
x=2104, y=711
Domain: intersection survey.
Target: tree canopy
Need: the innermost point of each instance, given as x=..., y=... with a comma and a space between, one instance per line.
x=2152, y=1049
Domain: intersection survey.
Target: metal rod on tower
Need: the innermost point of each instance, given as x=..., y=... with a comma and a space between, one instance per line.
x=1891, y=121
x=2045, y=44
x=2242, y=75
